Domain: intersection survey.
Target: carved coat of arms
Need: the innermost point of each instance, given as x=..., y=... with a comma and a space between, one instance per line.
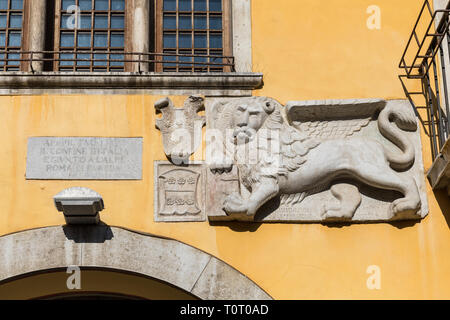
x=307, y=161
x=181, y=128
x=179, y=192
x=179, y=195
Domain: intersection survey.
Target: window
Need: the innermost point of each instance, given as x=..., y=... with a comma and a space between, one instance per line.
x=11, y=20
x=108, y=36
x=93, y=40
x=193, y=34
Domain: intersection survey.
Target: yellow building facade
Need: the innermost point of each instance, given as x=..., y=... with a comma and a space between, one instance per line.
x=305, y=50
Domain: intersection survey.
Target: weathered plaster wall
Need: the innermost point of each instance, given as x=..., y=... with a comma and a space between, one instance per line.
x=307, y=49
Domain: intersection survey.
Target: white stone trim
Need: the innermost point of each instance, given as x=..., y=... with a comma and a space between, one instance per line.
x=141, y=31
x=37, y=23
x=242, y=34
x=115, y=249
x=439, y=5
x=125, y=91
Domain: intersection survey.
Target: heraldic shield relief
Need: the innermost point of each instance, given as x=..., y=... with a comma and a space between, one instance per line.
x=181, y=128
x=180, y=192
x=179, y=196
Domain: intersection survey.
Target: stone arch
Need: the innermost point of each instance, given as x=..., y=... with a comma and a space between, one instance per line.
x=103, y=247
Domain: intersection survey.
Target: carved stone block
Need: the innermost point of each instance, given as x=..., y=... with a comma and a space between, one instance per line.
x=179, y=192
x=219, y=187
x=314, y=161
x=79, y=205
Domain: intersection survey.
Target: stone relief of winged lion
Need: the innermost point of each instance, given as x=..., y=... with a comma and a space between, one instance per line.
x=296, y=157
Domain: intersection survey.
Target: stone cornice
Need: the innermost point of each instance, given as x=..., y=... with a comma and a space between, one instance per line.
x=220, y=82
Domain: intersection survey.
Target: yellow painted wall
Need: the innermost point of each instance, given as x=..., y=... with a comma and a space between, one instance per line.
x=323, y=49
x=307, y=49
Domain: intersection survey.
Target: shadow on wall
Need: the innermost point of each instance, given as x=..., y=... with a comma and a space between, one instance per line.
x=254, y=226
x=397, y=224
x=88, y=233
x=237, y=226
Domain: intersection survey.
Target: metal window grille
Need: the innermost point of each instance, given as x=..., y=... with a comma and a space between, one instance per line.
x=192, y=33
x=11, y=21
x=94, y=36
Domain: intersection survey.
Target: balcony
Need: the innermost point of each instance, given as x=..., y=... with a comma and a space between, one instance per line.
x=425, y=76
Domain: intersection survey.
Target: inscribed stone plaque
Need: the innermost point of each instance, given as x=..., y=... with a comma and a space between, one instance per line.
x=84, y=158
x=179, y=192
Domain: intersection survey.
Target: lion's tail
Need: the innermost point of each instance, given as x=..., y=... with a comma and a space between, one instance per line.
x=404, y=119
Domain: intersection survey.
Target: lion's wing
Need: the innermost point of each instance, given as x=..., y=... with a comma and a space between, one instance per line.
x=331, y=129
x=294, y=147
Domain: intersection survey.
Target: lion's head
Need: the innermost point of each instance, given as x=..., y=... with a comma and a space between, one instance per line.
x=246, y=116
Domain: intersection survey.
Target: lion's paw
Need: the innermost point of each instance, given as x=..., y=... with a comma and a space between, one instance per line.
x=405, y=206
x=235, y=204
x=333, y=213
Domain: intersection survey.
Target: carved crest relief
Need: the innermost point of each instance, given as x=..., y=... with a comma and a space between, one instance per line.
x=181, y=128
x=307, y=161
x=179, y=192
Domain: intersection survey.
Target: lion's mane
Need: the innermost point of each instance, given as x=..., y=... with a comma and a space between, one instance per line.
x=293, y=144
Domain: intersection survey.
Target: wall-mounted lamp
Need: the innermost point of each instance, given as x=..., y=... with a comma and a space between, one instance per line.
x=79, y=205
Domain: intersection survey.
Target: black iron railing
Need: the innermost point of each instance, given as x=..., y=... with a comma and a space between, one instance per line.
x=424, y=63
x=109, y=60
